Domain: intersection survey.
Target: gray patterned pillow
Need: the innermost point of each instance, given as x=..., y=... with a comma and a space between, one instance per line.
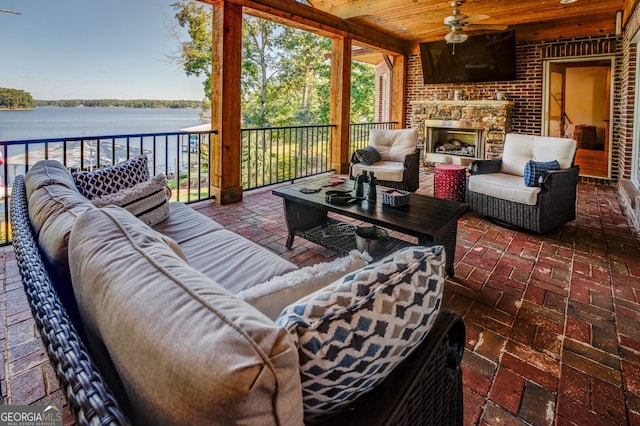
x=368, y=155
x=112, y=179
x=148, y=201
x=352, y=333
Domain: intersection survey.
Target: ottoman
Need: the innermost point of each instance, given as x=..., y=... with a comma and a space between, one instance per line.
x=450, y=182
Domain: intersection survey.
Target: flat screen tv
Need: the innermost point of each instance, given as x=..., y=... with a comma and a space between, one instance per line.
x=487, y=57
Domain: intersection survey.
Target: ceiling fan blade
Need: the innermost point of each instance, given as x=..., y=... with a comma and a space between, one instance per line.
x=10, y=11
x=491, y=27
x=477, y=18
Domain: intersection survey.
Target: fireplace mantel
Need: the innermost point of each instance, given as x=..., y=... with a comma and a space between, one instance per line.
x=492, y=116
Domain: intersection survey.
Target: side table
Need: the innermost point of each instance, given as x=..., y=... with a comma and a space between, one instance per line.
x=450, y=182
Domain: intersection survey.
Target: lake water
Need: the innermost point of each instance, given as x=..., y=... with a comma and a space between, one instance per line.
x=55, y=122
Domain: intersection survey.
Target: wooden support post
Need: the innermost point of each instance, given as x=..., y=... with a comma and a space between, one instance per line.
x=225, y=147
x=340, y=103
x=398, y=90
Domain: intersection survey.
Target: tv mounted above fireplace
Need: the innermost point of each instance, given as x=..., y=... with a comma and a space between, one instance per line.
x=487, y=57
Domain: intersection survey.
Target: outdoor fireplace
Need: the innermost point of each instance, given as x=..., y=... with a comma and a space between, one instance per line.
x=457, y=132
x=456, y=141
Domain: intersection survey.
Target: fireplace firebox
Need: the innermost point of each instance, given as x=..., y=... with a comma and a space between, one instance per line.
x=456, y=142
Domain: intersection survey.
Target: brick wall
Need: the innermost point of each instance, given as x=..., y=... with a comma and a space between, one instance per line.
x=526, y=91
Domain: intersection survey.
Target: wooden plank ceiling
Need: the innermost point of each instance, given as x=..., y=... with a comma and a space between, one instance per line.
x=398, y=26
x=422, y=20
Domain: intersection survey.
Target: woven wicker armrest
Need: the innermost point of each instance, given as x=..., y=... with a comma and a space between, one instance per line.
x=426, y=388
x=84, y=387
x=412, y=160
x=480, y=167
x=559, y=179
x=412, y=166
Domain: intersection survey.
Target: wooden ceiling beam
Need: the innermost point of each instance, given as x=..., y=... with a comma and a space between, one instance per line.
x=306, y=17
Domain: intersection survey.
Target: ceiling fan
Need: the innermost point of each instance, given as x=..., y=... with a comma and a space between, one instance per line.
x=458, y=22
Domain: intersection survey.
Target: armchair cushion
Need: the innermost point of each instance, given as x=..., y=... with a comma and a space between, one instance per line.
x=519, y=149
x=352, y=333
x=534, y=169
x=384, y=170
x=394, y=145
x=367, y=155
x=505, y=187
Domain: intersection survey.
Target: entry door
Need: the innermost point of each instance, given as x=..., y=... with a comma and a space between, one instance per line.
x=578, y=106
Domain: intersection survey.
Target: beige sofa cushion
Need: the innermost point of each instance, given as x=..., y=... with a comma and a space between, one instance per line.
x=394, y=145
x=184, y=223
x=187, y=351
x=47, y=172
x=54, y=204
x=271, y=297
x=233, y=261
x=504, y=186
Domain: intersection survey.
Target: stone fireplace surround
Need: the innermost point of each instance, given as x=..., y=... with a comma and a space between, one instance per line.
x=489, y=119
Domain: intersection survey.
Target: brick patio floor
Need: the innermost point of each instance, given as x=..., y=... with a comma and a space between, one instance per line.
x=552, y=321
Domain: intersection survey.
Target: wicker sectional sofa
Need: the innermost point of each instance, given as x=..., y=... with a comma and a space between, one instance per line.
x=188, y=323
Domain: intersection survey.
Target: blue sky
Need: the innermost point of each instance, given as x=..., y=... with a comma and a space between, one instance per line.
x=88, y=49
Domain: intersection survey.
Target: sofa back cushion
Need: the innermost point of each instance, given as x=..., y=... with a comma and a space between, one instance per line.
x=185, y=349
x=519, y=149
x=54, y=204
x=45, y=173
x=394, y=145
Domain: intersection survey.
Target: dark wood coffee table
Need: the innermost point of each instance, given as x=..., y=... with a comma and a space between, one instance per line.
x=432, y=221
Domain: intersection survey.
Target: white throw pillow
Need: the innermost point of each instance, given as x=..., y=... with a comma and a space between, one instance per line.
x=148, y=201
x=271, y=297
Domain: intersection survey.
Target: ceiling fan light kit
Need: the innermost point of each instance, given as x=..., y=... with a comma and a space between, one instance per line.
x=456, y=36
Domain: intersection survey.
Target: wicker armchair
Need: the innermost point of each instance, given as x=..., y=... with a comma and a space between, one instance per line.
x=496, y=188
x=399, y=163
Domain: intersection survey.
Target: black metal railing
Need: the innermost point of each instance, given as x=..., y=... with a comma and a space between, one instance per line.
x=182, y=157
x=278, y=154
x=269, y=155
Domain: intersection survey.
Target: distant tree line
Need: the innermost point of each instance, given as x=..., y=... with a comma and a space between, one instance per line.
x=15, y=99
x=125, y=103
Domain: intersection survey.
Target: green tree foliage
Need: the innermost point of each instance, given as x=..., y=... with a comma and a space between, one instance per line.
x=285, y=71
x=194, y=55
x=15, y=99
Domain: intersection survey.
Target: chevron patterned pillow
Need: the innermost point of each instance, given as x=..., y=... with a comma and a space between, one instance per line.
x=352, y=333
x=112, y=179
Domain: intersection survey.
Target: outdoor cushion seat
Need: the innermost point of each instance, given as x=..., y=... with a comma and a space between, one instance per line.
x=503, y=189
x=399, y=164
